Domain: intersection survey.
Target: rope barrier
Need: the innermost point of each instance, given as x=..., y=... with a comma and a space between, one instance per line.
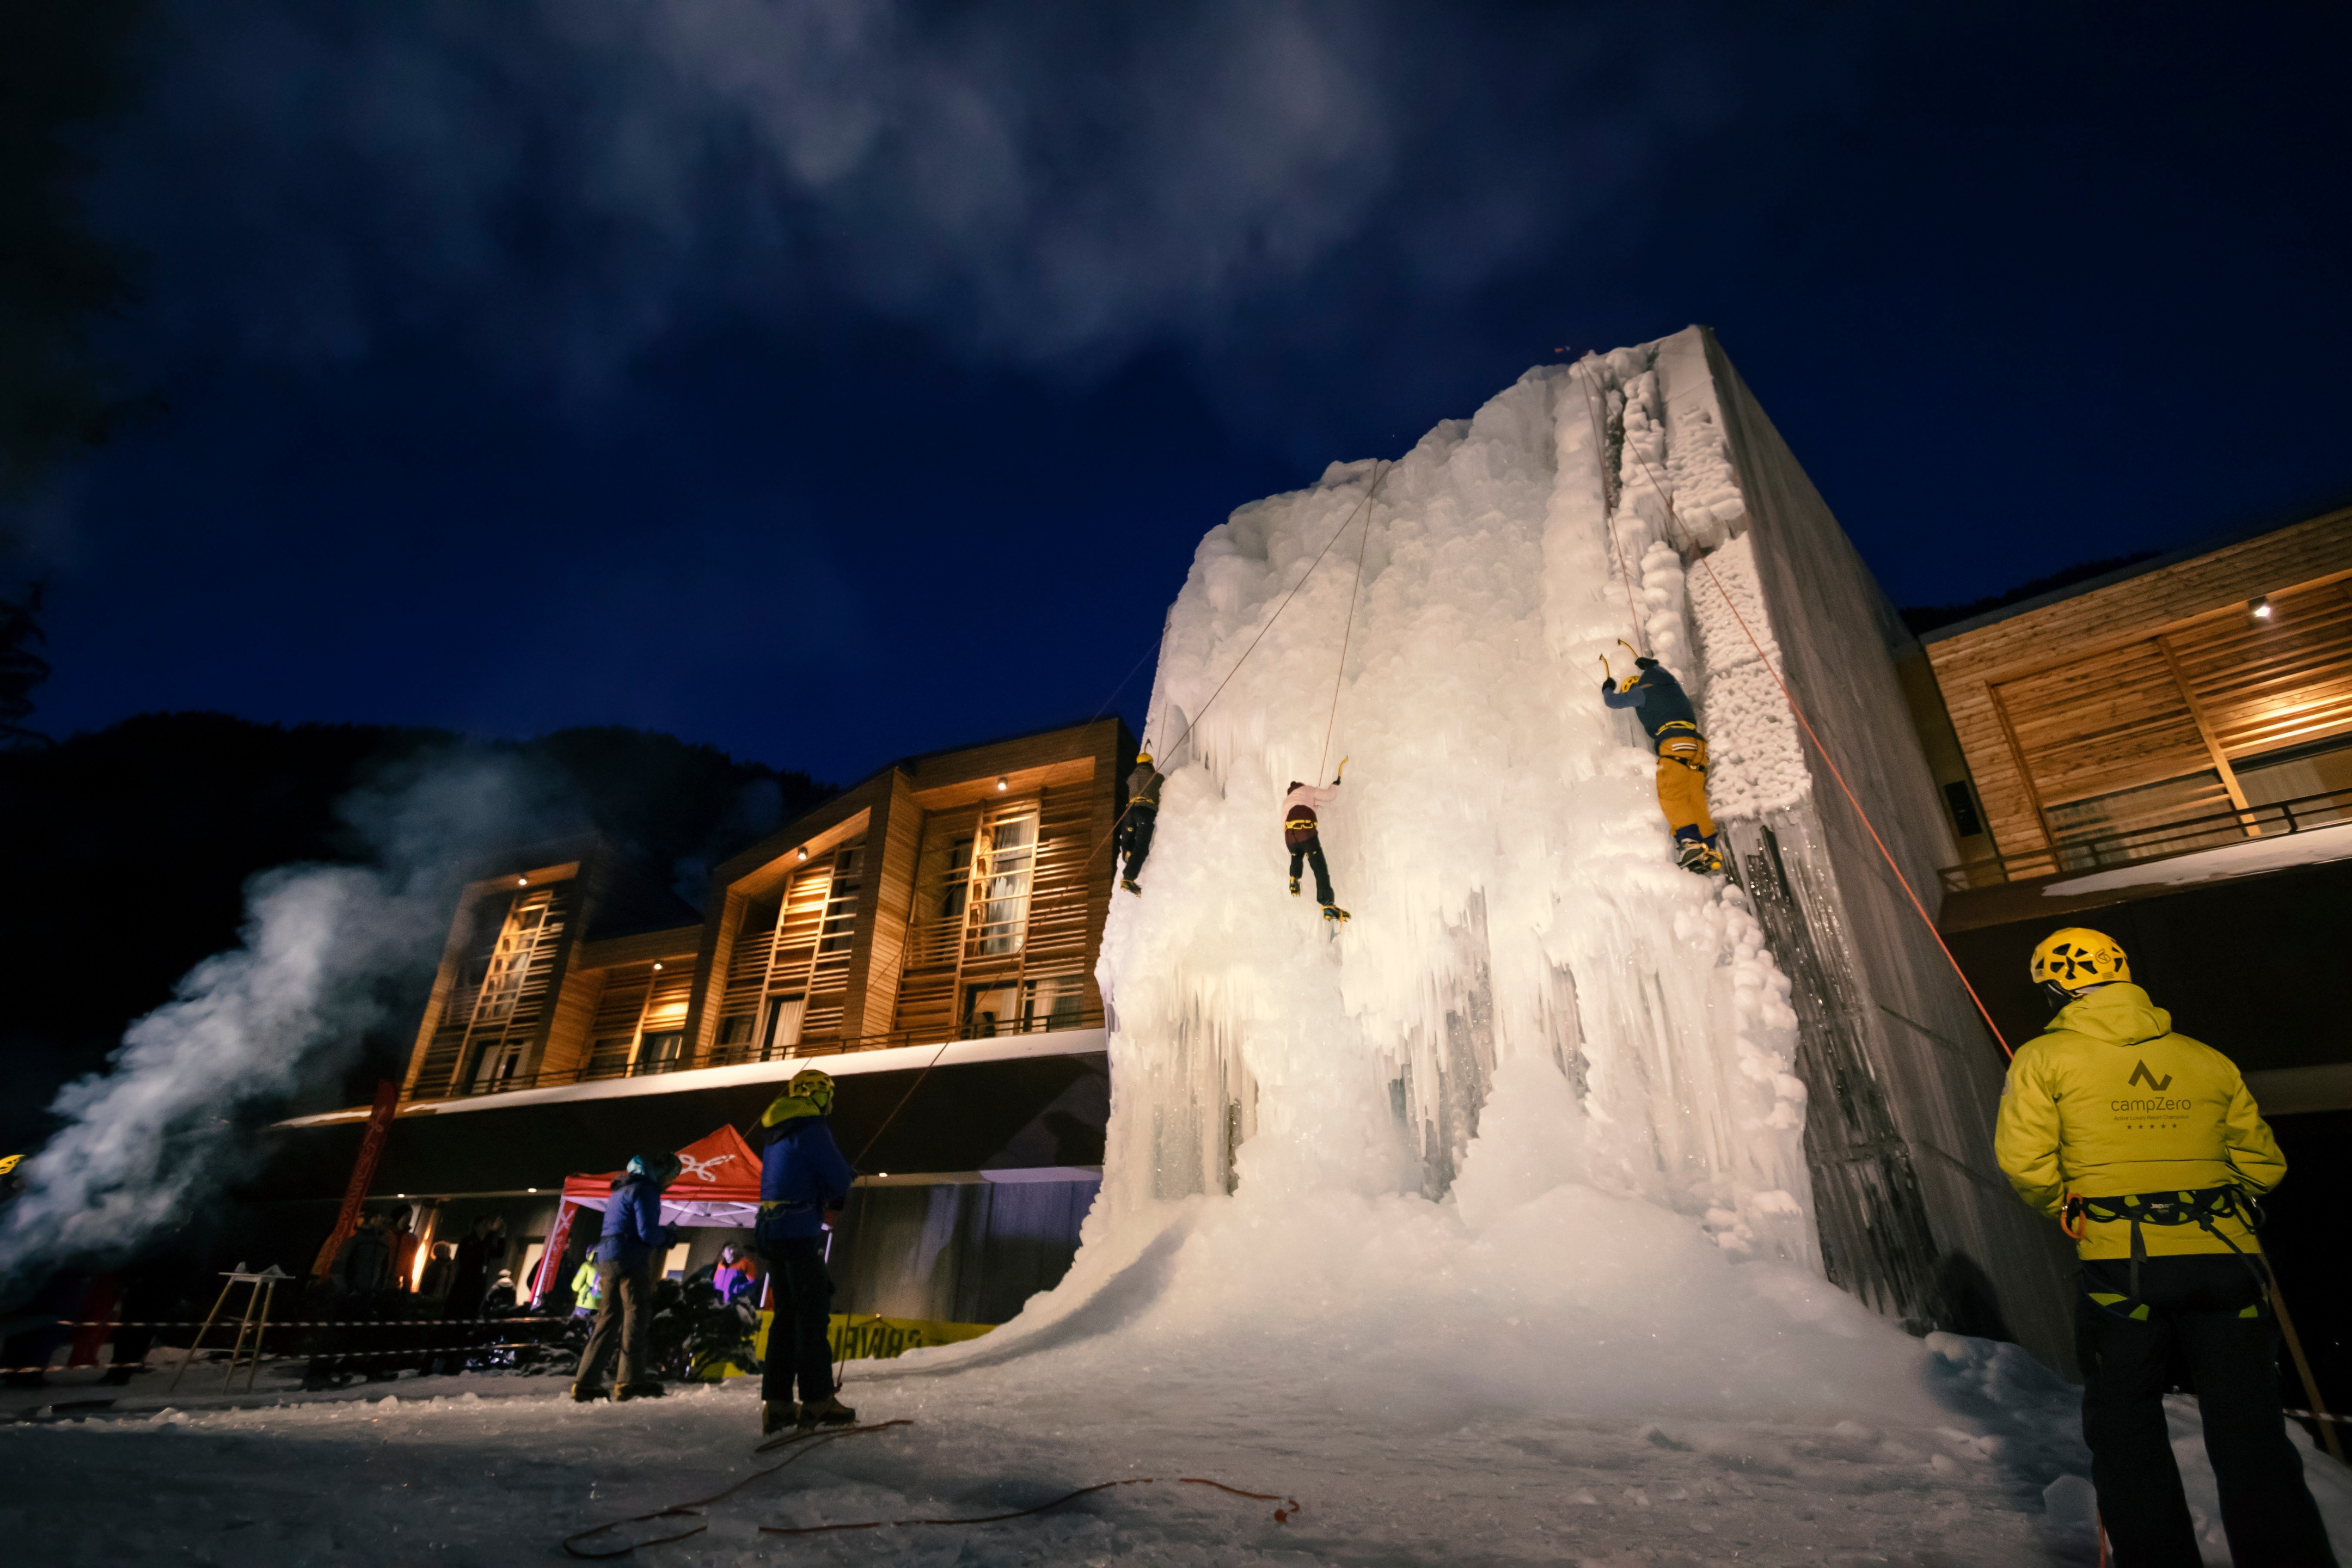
x=26, y=1326
x=391, y=1351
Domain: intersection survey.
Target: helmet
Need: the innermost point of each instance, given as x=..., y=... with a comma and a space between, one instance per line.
x=2078, y=958
x=1143, y=756
x=812, y=1086
x=660, y=1167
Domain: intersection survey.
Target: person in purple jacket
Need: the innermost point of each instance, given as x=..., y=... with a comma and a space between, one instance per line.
x=802, y=1173
x=626, y=1257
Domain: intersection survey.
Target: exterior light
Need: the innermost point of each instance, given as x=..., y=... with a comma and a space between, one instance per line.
x=400, y=1194
x=1003, y=784
x=531, y=1189
x=523, y=881
x=803, y=851
x=2261, y=607
x=886, y=1176
x=657, y=966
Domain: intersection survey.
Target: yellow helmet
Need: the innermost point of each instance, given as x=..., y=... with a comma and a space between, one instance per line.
x=812, y=1086
x=2077, y=958
x=1143, y=756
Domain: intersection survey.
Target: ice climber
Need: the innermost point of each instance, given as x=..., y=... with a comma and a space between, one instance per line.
x=802, y=1173
x=2148, y=1150
x=634, y=1242
x=1134, y=839
x=1664, y=709
x=1302, y=835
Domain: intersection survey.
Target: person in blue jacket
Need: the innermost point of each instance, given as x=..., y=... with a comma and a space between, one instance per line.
x=1662, y=705
x=633, y=1243
x=802, y=1173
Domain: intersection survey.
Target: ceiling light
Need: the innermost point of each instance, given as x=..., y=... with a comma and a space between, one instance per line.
x=2261, y=607
x=531, y=1189
x=1003, y=784
x=803, y=851
x=657, y=966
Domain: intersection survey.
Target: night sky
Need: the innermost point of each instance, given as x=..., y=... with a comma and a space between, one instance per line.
x=837, y=381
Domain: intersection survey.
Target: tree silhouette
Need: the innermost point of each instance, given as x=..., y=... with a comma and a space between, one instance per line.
x=21, y=669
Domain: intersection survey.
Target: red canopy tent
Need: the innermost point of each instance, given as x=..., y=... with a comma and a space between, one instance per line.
x=718, y=1186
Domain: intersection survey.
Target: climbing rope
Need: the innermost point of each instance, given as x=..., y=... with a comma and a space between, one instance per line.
x=1347, y=630
x=1378, y=474
x=574, y=1545
x=1600, y=462
x=1673, y=524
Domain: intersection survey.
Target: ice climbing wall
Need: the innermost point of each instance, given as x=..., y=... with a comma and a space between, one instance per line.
x=1515, y=898
x=1521, y=939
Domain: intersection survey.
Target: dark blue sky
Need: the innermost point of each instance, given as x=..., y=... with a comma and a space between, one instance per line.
x=835, y=380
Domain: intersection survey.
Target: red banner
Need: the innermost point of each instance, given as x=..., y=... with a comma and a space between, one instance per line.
x=379, y=1124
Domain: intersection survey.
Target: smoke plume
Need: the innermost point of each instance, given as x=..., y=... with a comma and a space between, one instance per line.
x=327, y=952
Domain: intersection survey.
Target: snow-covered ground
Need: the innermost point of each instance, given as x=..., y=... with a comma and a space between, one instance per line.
x=1433, y=1422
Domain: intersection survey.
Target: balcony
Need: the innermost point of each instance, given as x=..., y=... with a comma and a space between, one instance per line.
x=739, y=1056
x=2272, y=823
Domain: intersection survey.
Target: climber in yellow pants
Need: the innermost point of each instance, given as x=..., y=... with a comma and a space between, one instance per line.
x=1658, y=700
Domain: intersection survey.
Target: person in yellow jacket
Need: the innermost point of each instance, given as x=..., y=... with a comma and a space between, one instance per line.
x=2146, y=1147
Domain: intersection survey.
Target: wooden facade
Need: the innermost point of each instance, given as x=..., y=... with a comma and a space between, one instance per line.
x=954, y=896
x=2195, y=692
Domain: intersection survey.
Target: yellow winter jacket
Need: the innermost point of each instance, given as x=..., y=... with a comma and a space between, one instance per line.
x=2110, y=1102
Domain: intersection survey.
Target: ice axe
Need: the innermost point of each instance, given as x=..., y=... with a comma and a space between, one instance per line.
x=1343, y=770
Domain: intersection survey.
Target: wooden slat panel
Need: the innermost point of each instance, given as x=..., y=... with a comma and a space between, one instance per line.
x=2270, y=685
x=2104, y=724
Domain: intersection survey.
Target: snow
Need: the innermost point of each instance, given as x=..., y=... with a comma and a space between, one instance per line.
x=2311, y=847
x=1481, y=1225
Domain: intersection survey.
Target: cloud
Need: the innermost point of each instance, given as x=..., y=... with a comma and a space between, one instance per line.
x=563, y=185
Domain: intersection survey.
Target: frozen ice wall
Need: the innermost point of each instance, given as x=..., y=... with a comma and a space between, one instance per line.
x=1524, y=950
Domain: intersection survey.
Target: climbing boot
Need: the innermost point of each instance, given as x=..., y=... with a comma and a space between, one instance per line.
x=1699, y=858
x=1128, y=883
x=777, y=1415
x=1334, y=914
x=826, y=1412
x=1293, y=887
x=639, y=1391
x=587, y=1393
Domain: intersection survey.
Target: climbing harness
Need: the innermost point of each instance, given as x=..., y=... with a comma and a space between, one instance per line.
x=2202, y=1207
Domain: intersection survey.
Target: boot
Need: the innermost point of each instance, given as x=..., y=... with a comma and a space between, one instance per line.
x=587, y=1393
x=1334, y=914
x=1693, y=855
x=826, y=1412
x=1293, y=887
x=639, y=1391
x=1128, y=883
x=777, y=1415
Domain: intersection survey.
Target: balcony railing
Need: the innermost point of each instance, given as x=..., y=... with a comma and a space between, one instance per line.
x=738, y=1056
x=2213, y=830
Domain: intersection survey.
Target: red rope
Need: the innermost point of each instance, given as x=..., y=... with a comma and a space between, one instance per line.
x=1282, y=1515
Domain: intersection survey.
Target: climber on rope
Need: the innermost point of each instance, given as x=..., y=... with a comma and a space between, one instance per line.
x=1664, y=709
x=1302, y=836
x=2148, y=1150
x=1134, y=839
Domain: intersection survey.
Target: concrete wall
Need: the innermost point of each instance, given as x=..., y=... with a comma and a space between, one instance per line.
x=1905, y=1076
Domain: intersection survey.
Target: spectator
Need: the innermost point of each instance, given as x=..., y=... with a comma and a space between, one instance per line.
x=440, y=1273
x=480, y=1251
x=628, y=1256
x=401, y=1236
x=736, y=1275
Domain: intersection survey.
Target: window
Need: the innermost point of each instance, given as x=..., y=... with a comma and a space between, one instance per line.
x=784, y=1030
x=657, y=1053
x=1004, y=886
x=955, y=889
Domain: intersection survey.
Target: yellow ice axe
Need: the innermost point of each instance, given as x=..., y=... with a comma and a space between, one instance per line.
x=1343, y=770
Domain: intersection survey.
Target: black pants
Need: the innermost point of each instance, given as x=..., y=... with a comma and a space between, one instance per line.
x=1312, y=853
x=1134, y=838
x=802, y=1302
x=624, y=1325
x=2194, y=1320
